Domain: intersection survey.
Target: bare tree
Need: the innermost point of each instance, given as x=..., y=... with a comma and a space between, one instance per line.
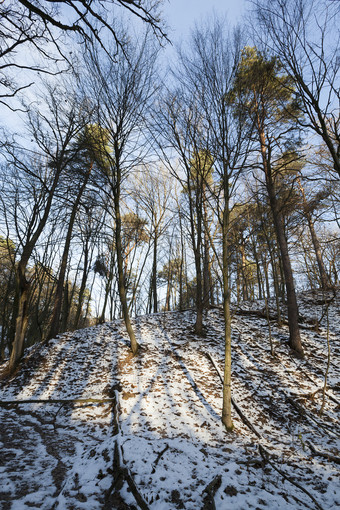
x=211, y=72
x=305, y=36
x=123, y=90
x=201, y=120
x=44, y=30
x=152, y=190
x=39, y=175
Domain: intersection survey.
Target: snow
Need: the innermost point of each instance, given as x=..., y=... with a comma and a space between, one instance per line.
x=170, y=436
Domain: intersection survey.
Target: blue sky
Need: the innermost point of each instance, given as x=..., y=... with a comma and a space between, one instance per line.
x=181, y=15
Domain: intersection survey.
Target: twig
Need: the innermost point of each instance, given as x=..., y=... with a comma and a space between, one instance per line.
x=313, y=393
x=159, y=456
x=303, y=412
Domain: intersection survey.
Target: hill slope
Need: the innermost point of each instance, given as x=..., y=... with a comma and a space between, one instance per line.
x=154, y=439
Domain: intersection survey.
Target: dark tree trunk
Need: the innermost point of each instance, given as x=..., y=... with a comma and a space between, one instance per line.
x=292, y=306
x=23, y=287
x=83, y=284
x=55, y=321
x=154, y=274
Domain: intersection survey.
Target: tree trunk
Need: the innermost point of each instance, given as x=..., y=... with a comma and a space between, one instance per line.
x=66, y=301
x=206, y=255
x=226, y=406
x=181, y=265
x=22, y=317
x=154, y=274
x=323, y=274
x=83, y=284
x=120, y=267
x=107, y=289
x=55, y=326
x=293, y=313
x=245, y=294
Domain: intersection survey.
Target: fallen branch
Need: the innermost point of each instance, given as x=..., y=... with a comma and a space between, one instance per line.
x=264, y=454
x=120, y=469
x=312, y=394
x=210, y=491
x=298, y=407
x=88, y=401
x=325, y=455
x=266, y=457
x=244, y=418
x=270, y=317
x=303, y=412
x=236, y=407
x=139, y=499
x=258, y=313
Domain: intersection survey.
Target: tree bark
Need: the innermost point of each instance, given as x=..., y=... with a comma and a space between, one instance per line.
x=292, y=306
x=226, y=405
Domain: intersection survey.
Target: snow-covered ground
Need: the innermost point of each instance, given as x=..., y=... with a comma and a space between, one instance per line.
x=156, y=433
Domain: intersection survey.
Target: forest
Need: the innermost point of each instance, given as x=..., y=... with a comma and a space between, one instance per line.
x=141, y=179
x=129, y=186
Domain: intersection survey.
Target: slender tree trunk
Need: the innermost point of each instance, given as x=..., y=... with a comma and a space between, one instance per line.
x=154, y=273
x=120, y=266
x=266, y=276
x=149, y=302
x=206, y=255
x=83, y=284
x=181, y=265
x=196, y=238
x=199, y=301
x=168, y=286
x=258, y=274
x=245, y=294
x=66, y=302
x=107, y=289
x=55, y=325
x=275, y=281
x=226, y=406
x=323, y=274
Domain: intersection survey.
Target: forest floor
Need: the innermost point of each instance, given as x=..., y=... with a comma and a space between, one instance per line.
x=154, y=438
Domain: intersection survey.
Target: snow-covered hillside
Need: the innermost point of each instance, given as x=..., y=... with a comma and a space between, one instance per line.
x=112, y=431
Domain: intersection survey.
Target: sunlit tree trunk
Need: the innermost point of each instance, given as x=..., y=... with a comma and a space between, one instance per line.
x=226, y=406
